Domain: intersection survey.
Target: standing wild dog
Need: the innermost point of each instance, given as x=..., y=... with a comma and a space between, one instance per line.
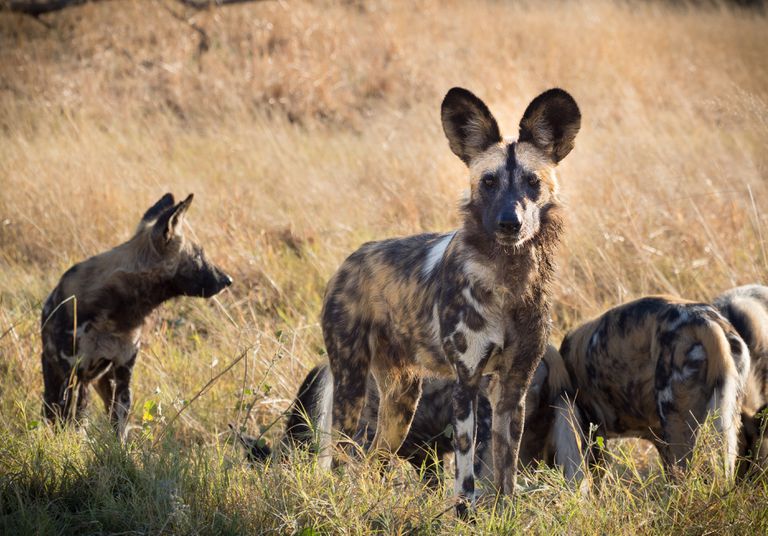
x=459, y=305
x=429, y=438
x=746, y=308
x=654, y=368
x=91, y=322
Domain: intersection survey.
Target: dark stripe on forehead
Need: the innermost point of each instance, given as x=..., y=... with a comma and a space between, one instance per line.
x=511, y=160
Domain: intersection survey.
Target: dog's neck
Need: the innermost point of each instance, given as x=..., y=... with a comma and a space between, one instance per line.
x=128, y=300
x=521, y=270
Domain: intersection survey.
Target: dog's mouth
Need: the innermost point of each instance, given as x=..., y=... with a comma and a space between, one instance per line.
x=511, y=242
x=508, y=240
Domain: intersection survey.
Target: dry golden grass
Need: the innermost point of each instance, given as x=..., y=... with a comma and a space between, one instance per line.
x=306, y=128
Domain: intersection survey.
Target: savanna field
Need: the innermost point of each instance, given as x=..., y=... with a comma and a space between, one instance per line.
x=305, y=129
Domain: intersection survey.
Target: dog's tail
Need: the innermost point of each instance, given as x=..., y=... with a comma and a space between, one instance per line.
x=552, y=432
x=304, y=416
x=728, y=364
x=309, y=409
x=701, y=355
x=566, y=440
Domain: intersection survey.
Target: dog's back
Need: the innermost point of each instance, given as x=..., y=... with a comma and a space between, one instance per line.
x=655, y=368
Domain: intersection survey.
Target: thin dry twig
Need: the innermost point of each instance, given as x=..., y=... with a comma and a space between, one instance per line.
x=199, y=394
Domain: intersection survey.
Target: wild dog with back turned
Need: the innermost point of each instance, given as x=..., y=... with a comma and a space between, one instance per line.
x=653, y=368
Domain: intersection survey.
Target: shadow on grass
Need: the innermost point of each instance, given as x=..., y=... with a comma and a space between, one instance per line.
x=63, y=483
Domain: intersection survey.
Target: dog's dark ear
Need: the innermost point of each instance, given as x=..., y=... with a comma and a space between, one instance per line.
x=155, y=210
x=468, y=124
x=748, y=432
x=256, y=449
x=551, y=123
x=761, y=419
x=169, y=224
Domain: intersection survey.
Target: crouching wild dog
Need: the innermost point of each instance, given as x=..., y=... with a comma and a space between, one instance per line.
x=458, y=305
x=655, y=369
x=746, y=308
x=91, y=322
x=429, y=439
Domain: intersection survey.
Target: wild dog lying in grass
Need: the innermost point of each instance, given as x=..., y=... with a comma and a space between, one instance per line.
x=91, y=322
x=746, y=308
x=459, y=305
x=654, y=368
x=429, y=439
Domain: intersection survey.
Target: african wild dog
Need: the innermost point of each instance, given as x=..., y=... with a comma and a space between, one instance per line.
x=461, y=304
x=427, y=442
x=91, y=322
x=746, y=308
x=429, y=439
x=653, y=368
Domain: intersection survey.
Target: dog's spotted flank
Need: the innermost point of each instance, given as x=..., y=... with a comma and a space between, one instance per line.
x=654, y=368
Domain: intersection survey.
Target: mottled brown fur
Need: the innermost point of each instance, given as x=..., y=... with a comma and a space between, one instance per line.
x=463, y=304
x=746, y=308
x=91, y=322
x=655, y=369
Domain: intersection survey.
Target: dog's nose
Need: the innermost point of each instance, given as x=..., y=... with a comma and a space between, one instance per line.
x=227, y=280
x=508, y=223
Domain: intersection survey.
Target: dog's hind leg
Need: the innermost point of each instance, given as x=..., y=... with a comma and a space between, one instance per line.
x=399, y=395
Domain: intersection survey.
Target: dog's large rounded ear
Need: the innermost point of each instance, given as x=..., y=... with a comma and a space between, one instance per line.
x=468, y=124
x=551, y=123
x=169, y=224
x=155, y=210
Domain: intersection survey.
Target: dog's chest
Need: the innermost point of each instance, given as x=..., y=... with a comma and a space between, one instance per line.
x=472, y=324
x=97, y=350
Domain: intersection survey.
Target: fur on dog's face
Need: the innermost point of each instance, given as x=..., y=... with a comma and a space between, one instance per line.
x=190, y=273
x=512, y=183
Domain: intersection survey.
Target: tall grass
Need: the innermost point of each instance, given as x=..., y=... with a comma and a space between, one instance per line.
x=304, y=129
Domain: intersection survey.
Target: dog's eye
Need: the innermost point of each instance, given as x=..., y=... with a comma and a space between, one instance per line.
x=533, y=180
x=489, y=181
